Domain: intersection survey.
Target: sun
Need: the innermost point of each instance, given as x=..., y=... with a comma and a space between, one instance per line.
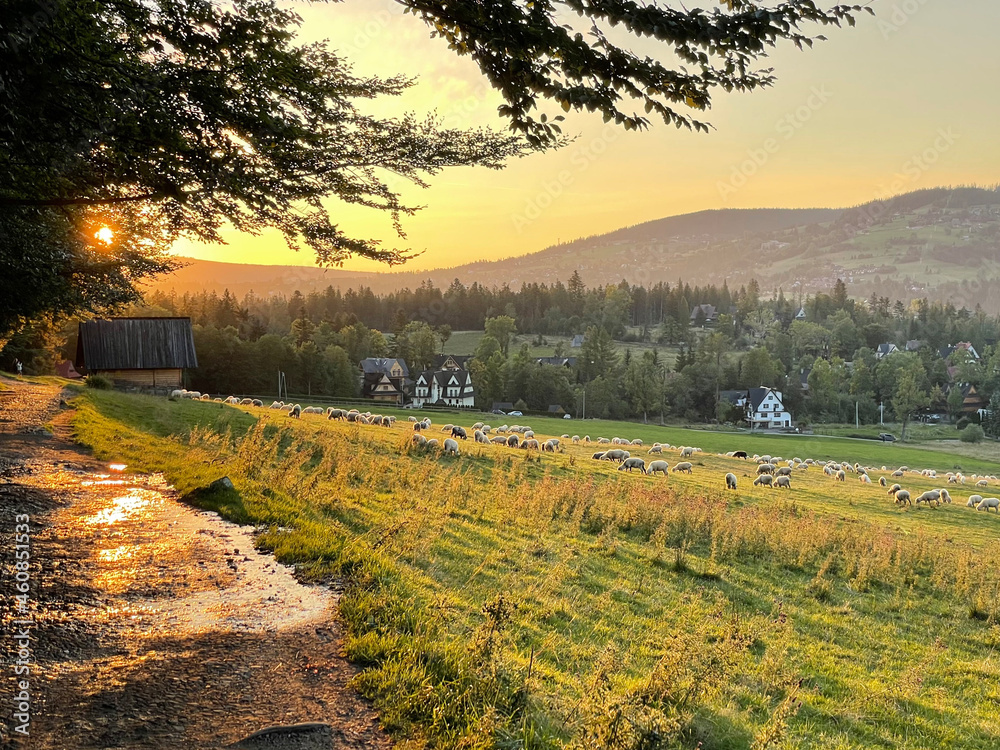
x=105, y=235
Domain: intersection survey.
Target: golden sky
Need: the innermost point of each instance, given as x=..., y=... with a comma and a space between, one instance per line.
x=906, y=100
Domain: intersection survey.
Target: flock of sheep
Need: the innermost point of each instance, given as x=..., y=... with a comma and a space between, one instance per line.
x=769, y=471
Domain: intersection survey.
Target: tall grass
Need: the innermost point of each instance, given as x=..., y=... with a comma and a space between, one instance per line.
x=499, y=600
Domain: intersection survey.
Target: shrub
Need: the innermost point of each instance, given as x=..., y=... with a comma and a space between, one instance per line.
x=962, y=423
x=98, y=382
x=972, y=434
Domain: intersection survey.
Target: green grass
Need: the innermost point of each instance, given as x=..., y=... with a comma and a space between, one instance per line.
x=507, y=599
x=465, y=342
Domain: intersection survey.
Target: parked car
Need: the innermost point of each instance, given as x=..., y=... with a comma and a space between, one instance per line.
x=887, y=437
x=515, y=414
x=500, y=412
x=567, y=416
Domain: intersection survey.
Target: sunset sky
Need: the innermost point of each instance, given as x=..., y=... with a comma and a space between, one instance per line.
x=908, y=99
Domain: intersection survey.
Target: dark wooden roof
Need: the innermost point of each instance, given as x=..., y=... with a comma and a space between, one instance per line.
x=136, y=344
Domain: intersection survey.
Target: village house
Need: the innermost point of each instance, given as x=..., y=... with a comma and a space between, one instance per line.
x=385, y=379
x=763, y=407
x=137, y=352
x=450, y=384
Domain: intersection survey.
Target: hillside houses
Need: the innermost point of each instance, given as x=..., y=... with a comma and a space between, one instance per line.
x=449, y=384
x=763, y=407
x=385, y=379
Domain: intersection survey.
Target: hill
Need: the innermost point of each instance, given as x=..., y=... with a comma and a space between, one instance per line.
x=941, y=243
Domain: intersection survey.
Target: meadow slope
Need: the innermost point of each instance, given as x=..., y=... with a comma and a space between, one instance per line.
x=509, y=599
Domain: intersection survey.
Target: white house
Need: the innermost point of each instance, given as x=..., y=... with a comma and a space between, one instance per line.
x=452, y=387
x=766, y=410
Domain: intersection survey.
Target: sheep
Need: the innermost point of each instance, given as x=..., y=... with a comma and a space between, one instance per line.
x=740, y=454
x=332, y=413
x=633, y=463
x=447, y=428
x=602, y=441
x=897, y=473
x=683, y=466
x=564, y=437
x=530, y=444
x=730, y=481
x=459, y=432
x=599, y=456
x=765, y=469
x=658, y=449
x=841, y=476
x=903, y=497
x=881, y=481
x=615, y=454
x=576, y=439
x=989, y=502
x=296, y=412
x=451, y=446
x=783, y=481
x=217, y=400
x=175, y=394
x=503, y=429
x=974, y=500
x=931, y=496
x=637, y=441
x=233, y=400
x=828, y=470
x=432, y=443
x=412, y=419
x=802, y=465
x=206, y=397
x=864, y=479
x=784, y=471
x=658, y=466
x=764, y=459
x=687, y=452
x=417, y=426
x=512, y=441
x=529, y=434
x=419, y=439
x=550, y=445
x=982, y=483
x=498, y=440
x=764, y=480
x=477, y=426
x=894, y=489
x=426, y=423
x=945, y=497
x=586, y=438
x=479, y=437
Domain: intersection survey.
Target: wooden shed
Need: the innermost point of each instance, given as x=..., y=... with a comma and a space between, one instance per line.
x=142, y=352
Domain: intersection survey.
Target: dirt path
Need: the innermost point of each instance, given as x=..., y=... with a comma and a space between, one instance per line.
x=155, y=625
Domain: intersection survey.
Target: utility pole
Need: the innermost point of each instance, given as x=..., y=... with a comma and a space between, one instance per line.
x=856, y=422
x=881, y=409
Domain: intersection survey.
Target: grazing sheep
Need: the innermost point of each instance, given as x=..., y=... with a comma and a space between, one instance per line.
x=730, y=481
x=459, y=432
x=982, y=483
x=828, y=470
x=447, y=428
x=479, y=437
x=432, y=443
x=687, y=452
x=931, y=496
x=783, y=481
x=765, y=469
x=764, y=480
x=602, y=441
x=332, y=413
x=740, y=454
x=217, y=400
x=529, y=434
x=512, y=441
x=417, y=426
x=784, y=471
x=586, y=438
x=598, y=456
x=865, y=479
x=881, y=481
x=564, y=437
x=894, y=489
x=974, y=500
x=658, y=466
x=296, y=412
x=419, y=439
x=989, y=502
x=276, y=405
x=802, y=465
x=897, y=473
x=658, y=449
x=175, y=394
x=412, y=419
x=841, y=476
x=683, y=466
x=903, y=497
x=246, y=402
x=637, y=441
x=615, y=454
x=576, y=439
x=945, y=497
x=633, y=463
x=477, y=426
x=550, y=445
x=498, y=440
x=530, y=444
x=451, y=446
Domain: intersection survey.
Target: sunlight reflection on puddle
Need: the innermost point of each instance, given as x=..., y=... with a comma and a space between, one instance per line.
x=118, y=553
x=103, y=482
x=117, y=467
x=122, y=507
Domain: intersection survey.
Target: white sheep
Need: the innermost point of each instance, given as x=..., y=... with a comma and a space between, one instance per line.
x=295, y=411
x=633, y=463
x=687, y=452
x=658, y=466
x=658, y=449
x=498, y=440
x=637, y=441
x=989, y=502
x=974, y=500
x=433, y=443
x=865, y=479
x=784, y=471
x=765, y=469
x=530, y=444
x=602, y=441
x=480, y=437
x=841, y=475
x=576, y=439
x=730, y=481
x=783, y=481
x=931, y=496
x=512, y=441
x=903, y=497
x=881, y=481
x=410, y=418
x=451, y=446
x=764, y=480
x=419, y=439
x=982, y=483
x=684, y=466
x=175, y=394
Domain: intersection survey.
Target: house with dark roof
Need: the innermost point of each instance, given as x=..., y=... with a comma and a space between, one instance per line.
x=762, y=406
x=451, y=387
x=704, y=312
x=556, y=409
x=451, y=362
x=137, y=352
x=884, y=350
x=557, y=361
x=948, y=352
x=385, y=379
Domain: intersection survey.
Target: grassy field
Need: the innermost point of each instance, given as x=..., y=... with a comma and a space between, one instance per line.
x=510, y=599
x=465, y=342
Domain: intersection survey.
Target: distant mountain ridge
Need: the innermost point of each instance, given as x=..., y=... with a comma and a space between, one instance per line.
x=942, y=243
